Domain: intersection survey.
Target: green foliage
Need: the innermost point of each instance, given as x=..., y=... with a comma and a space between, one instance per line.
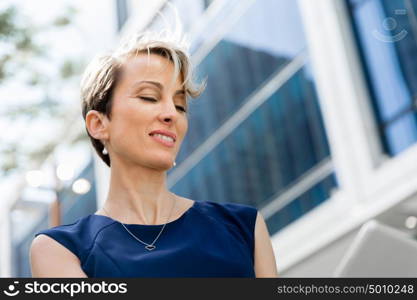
x=7, y=26
x=69, y=68
x=65, y=19
x=19, y=52
x=9, y=158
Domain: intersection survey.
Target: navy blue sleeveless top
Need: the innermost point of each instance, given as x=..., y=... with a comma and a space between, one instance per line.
x=209, y=240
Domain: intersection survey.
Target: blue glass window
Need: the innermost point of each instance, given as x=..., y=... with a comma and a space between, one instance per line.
x=386, y=32
x=122, y=13
x=263, y=40
x=279, y=141
x=277, y=144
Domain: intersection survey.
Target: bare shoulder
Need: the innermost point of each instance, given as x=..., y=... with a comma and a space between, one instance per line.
x=48, y=258
x=184, y=204
x=265, y=263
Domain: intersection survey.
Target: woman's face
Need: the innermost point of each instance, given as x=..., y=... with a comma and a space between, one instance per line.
x=148, y=121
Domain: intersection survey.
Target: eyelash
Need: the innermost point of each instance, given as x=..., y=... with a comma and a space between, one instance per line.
x=154, y=100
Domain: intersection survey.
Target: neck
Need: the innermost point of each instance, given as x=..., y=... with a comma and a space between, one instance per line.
x=139, y=195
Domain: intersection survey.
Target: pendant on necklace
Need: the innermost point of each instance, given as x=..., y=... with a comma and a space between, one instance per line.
x=150, y=247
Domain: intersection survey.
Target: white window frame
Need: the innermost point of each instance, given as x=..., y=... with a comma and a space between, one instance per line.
x=370, y=182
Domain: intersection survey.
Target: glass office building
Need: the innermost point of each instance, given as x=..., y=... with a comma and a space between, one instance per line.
x=256, y=135
x=386, y=33
x=309, y=115
x=72, y=207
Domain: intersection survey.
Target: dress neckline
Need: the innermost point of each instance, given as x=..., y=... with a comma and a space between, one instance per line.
x=153, y=225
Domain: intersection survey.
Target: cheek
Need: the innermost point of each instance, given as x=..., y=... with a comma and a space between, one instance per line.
x=128, y=123
x=125, y=121
x=184, y=127
x=134, y=114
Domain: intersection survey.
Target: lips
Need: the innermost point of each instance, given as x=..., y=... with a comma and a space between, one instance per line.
x=164, y=137
x=165, y=133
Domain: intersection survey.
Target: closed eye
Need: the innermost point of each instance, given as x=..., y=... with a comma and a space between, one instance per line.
x=181, y=108
x=148, y=99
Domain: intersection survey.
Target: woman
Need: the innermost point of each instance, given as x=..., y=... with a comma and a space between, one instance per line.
x=135, y=110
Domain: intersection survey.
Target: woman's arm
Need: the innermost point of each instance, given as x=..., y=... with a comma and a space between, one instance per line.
x=48, y=258
x=265, y=264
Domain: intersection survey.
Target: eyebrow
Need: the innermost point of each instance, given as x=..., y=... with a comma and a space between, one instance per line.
x=158, y=85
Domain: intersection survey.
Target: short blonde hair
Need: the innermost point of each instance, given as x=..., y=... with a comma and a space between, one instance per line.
x=101, y=75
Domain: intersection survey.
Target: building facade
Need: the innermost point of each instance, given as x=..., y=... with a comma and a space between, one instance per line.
x=309, y=114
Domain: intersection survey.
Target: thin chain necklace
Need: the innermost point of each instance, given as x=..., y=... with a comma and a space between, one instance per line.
x=150, y=246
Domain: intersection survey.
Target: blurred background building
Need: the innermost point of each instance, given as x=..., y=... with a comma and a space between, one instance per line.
x=310, y=115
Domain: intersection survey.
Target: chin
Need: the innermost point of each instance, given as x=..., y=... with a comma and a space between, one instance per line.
x=162, y=166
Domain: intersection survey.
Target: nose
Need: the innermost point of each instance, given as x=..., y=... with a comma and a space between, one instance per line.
x=168, y=114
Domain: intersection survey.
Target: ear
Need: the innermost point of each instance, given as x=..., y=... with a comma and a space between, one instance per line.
x=97, y=125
